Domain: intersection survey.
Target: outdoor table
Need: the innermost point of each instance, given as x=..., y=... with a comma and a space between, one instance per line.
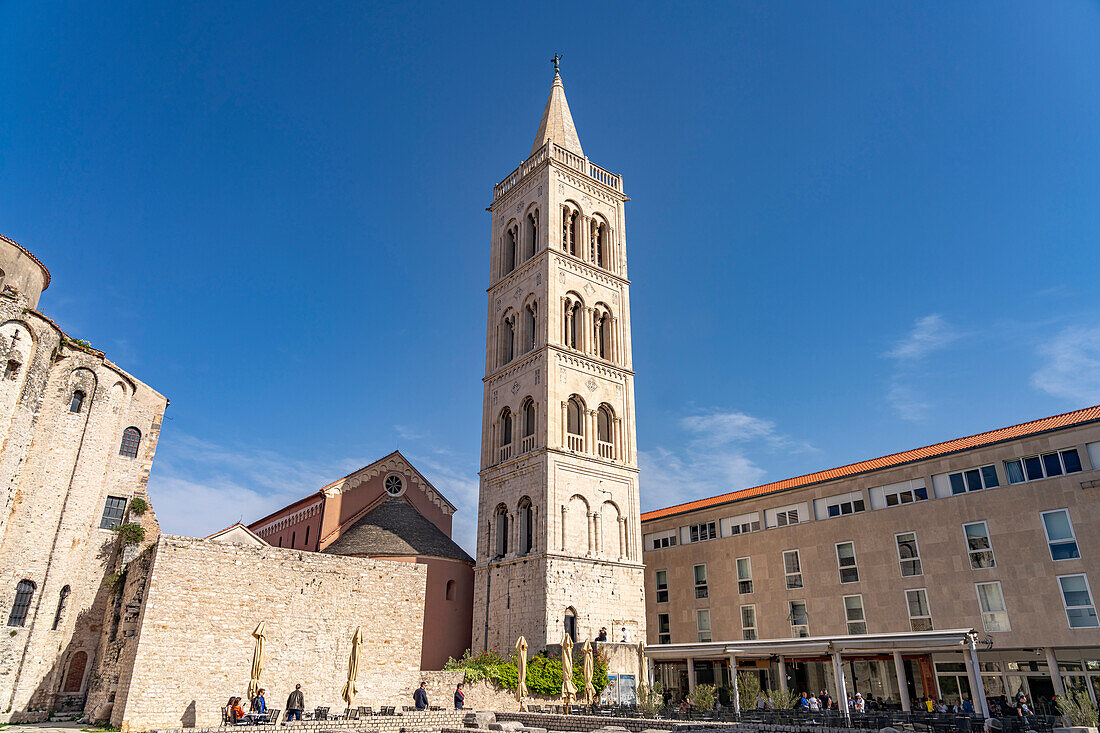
x=255, y=718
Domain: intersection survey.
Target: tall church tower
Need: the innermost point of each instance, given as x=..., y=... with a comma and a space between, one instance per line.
x=559, y=539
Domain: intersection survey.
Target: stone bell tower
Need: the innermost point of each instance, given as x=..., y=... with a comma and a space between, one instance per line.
x=559, y=539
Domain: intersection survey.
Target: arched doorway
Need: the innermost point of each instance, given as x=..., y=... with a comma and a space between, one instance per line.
x=75, y=676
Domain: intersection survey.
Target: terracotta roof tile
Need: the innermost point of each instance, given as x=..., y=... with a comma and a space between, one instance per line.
x=1077, y=417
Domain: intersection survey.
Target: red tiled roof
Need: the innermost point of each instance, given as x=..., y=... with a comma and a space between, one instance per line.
x=1042, y=425
x=28, y=253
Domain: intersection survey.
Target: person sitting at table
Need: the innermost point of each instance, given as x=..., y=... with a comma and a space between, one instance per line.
x=236, y=712
x=229, y=710
x=259, y=704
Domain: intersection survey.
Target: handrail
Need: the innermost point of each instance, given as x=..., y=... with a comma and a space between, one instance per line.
x=570, y=160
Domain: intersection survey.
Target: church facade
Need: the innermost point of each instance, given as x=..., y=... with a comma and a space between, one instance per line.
x=559, y=543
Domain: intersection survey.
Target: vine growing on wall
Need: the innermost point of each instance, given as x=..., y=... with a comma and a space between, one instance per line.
x=544, y=672
x=130, y=533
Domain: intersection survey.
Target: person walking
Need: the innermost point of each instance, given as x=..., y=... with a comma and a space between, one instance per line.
x=295, y=704
x=420, y=697
x=460, y=697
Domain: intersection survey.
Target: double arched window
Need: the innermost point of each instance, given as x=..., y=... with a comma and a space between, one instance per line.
x=24, y=591
x=131, y=439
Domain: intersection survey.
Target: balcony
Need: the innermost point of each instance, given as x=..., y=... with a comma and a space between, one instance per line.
x=527, y=444
x=575, y=442
x=505, y=453
x=560, y=155
x=605, y=450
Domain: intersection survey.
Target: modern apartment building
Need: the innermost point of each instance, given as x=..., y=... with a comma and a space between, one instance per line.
x=948, y=570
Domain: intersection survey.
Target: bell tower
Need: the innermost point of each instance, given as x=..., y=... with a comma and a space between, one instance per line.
x=559, y=538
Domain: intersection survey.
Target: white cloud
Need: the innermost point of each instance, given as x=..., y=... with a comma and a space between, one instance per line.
x=929, y=335
x=713, y=460
x=1072, y=366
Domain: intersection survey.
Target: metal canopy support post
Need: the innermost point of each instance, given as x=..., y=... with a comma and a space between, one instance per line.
x=980, y=703
x=903, y=685
x=782, y=673
x=733, y=681
x=841, y=685
x=1055, y=674
x=691, y=673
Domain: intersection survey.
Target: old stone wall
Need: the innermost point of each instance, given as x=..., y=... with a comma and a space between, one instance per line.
x=194, y=639
x=59, y=463
x=401, y=722
x=480, y=695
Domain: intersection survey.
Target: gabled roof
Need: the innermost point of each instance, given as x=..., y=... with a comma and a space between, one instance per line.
x=1065, y=420
x=238, y=529
x=557, y=122
x=395, y=528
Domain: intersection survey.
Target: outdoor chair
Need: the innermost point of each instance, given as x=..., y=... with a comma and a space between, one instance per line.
x=320, y=713
x=351, y=714
x=365, y=712
x=272, y=717
x=225, y=717
x=387, y=710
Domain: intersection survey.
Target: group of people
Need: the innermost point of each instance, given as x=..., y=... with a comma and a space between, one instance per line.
x=235, y=713
x=420, y=697
x=624, y=636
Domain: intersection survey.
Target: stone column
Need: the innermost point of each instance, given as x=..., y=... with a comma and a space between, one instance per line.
x=978, y=691
x=584, y=223
x=691, y=673
x=588, y=516
x=1055, y=674
x=841, y=685
x=782, y=673
x=733, y=683
x=622, y=537
x=565, y=424
x=534, y=528
x=597, y=531
x=564, y=510
x=568, y=322
x=618, y=437
x=903, y=687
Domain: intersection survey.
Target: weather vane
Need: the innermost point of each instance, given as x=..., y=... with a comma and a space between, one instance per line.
x=555, y=60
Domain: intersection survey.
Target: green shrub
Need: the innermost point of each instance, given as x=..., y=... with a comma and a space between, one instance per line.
x=130, y=533
x=650, y=699
x=1078, y=707
x=748, y=687
x=702, y=697
x=544, y=673
x=782, y=699
x=138, y=506
x=115, y=580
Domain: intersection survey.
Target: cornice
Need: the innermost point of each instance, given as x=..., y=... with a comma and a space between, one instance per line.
x=391, y=464
x=598, y=189
x=582, y=268
x=589, y=363
x=514, y=367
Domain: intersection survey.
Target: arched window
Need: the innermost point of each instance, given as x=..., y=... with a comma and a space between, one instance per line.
x=598, y=246
x=24, y=591
x=576, y=412
x=75, y=676
x=601, y=330
x=280, y=540
x=529, y=326
x=571, y=624
x=306, y=543
x=505, y=434
x=77, y=402
x=526, y=526
x=62, y=599
x=450, y=592
x=501, y=521
x=574, y=313
x=509, y=250
x=604, y=432
x=507, y=340
x=532, y=233
x=527, y=412
x=569, y=230
x=131, y=439
x=293, y=538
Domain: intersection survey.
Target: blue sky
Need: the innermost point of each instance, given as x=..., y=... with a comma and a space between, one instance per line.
x=856, y=227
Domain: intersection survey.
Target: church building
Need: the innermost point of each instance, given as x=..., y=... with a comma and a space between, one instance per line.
x=559, y=541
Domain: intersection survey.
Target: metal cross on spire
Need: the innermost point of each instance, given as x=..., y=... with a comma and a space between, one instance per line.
x=555, y=60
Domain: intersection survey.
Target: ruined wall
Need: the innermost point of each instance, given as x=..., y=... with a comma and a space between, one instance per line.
x=480, y=695
x=203, y=599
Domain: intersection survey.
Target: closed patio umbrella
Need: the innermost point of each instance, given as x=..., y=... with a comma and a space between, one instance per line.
x=348, y=693
x=589, y=690
x=568, y=689
x=521, y=673
x=257, y=660
x=643, y=667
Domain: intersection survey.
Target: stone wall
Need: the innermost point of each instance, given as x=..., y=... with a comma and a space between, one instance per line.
x=194, y=639
x=480, y=695
x=404, y=722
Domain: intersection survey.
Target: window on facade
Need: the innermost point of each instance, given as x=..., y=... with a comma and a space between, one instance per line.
x=702, y=624
x=501, y=521
x=569, y=231
x=700, y=581
x=992, y=603
x=1046, y=465
x=853, y=614
x=450, y=592
x=603, y=431
x=305, y=543
x=783, y=518
x=131, y=439
x=663, y=539
x=799, y=618
x=532, y=234
x=905, y=492
x=846, y=560
x=599, y=233
x=77, y=402
x=1077, y=598
x=1060, y=537
x=529, y=419
x=507, y=341
x=704, y=531
x=573, y=325
x=909, y=554
x=573, y=417
x=845, y=505
x=505, y=427
x=392, y=485
x=11, y=371
x=509, y=250
x=920, y=617
x=62, y=601
x=664, y=629
x=744, y=575
x=530, y=327
x=571, y=624
x=662, y=586
x=979, y=546
x=293, y=539
x=744, y=524
x=24, y=591
x=974, y=479
x=792, y=569
x=113, y=511
x=748, y=623
x=526, y=526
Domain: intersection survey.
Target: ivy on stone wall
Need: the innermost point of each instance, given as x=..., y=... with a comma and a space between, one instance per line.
x=544, y=672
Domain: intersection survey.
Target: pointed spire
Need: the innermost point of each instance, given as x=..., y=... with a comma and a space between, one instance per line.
x=557, y=122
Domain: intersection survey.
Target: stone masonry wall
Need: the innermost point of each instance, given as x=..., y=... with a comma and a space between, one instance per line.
x=203, y=600
x=480, y=695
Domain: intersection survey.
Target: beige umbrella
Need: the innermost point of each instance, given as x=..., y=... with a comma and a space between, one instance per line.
x=348, y=693
x=257, y=661
x=521, y=674
x=568, y=689
x=643, y=666
x=589, y=690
